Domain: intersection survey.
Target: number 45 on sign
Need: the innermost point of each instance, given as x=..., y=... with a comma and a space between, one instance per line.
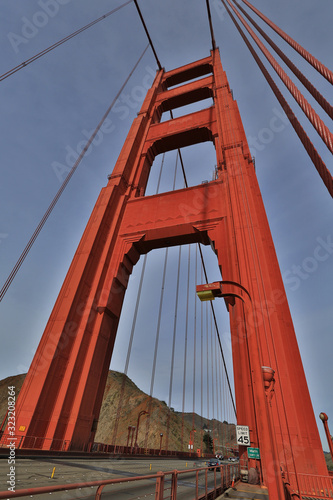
x=243, y=435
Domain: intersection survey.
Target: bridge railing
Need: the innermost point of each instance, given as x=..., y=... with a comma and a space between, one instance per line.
x=165, y=483
x=61, y=445
x=35, y=443
x=312, y=486
x=136, y=450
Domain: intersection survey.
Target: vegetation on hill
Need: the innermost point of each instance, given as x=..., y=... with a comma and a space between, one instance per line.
x=161, y=419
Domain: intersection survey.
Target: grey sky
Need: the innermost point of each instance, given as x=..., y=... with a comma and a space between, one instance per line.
x=49, y=107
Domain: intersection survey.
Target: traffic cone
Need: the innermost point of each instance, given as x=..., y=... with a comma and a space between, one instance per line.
x=233, y=482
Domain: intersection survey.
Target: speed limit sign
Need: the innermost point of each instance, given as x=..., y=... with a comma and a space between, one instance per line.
x=243, y=435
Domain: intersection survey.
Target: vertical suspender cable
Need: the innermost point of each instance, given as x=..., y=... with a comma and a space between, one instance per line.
x=212, y=366
x=218, y=334
x=218, y=400
x=174, y=328
x=185, y=181
x=180, y=157
x=173, y=347
x=201, y=367
x=207, y=360
x=194, y=341
x=159, y=319
x=186, y=341
x=129, y=349
x=152, y=381
x=211, y=305
x=325, y=72
x=158, y=323
x=221, y=382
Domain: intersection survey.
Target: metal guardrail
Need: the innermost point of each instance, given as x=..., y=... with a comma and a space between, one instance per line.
x=222, y=479
x=36, y=443
x=60, y=445
x=311, y=486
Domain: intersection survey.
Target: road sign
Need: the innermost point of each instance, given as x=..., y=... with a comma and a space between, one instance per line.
x=253, y=453
x=243, y=435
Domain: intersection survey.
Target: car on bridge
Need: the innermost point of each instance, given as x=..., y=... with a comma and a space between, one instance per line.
x=214, y=462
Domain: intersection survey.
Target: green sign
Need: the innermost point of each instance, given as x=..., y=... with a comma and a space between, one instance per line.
x=253, y=453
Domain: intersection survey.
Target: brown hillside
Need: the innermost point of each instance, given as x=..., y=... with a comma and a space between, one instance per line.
x=17, y=381
x=120, y=388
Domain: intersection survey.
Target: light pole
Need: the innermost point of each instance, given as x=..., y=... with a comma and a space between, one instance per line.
x=191, y=443
x=324, y=419
x=161, y=437
x=131, y=430
x=214, y=445
x=142, y=412
x=239, y=298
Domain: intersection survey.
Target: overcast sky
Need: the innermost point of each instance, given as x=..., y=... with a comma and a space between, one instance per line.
x=50, y=107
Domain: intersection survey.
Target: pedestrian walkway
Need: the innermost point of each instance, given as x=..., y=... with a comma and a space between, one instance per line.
x=245, y=491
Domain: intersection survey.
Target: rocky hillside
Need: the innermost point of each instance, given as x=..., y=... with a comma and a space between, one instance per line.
x=17, y=381
x=329, y=461
x=115, y=418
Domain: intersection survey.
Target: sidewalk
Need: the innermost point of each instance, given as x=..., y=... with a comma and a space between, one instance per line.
x=244, y=491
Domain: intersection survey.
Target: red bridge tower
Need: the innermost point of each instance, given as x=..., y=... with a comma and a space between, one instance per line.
x=61, y=397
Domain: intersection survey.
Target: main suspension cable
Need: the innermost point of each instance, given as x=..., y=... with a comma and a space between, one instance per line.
x=309, y=147
x=325, y=72
x=310, y=113
x=307, y=84
x=63, y=186
x=60, y=42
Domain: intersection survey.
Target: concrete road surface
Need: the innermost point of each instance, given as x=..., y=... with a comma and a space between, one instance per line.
x=32, y=473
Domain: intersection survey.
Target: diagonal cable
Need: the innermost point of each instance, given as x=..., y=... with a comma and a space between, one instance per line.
x=60, y=42
x=63, y=186
x=148, y=35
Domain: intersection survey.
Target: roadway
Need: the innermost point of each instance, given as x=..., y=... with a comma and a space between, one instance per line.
x=32, y=473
